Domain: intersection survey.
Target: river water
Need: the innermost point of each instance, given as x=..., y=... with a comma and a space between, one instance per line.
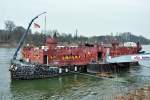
x=69, y=87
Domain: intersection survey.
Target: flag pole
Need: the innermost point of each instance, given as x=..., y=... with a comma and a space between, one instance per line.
x=45, y=25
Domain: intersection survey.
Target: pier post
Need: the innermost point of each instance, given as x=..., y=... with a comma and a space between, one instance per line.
x=75, y=68
x=66, y=70
x=60, y=70
x=47, y=60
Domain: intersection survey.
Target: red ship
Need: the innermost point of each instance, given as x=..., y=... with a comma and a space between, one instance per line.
x=54, y=59
x=60, y=55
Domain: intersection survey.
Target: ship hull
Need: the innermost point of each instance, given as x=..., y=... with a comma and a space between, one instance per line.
x=109, y=67
x=26, y=71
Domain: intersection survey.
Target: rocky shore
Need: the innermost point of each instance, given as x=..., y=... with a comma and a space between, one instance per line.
x=137, y=94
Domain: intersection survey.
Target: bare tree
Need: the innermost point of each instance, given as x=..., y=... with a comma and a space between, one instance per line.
x=9, y=26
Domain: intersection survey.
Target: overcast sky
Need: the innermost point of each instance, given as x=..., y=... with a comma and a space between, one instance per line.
x=90, y=17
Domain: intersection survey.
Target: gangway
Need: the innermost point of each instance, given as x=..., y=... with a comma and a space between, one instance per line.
x=129, y=58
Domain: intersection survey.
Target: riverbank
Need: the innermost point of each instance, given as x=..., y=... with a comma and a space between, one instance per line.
x=7, y=45
x=142, y=93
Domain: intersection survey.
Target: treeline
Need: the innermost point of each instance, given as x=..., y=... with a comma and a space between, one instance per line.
x=12, y=34
x=122, y=37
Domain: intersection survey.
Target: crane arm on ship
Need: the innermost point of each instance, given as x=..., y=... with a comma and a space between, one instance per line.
x=24, y=36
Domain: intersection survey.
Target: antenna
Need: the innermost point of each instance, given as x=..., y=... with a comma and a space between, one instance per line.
x=76, y=34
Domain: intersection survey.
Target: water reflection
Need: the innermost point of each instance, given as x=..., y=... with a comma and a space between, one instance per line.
x=74, y=87
x=48, y=88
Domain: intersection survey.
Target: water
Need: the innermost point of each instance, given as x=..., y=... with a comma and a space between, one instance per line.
x=70, y=87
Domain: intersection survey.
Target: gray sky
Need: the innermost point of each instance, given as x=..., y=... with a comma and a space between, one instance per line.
x=90, y=17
